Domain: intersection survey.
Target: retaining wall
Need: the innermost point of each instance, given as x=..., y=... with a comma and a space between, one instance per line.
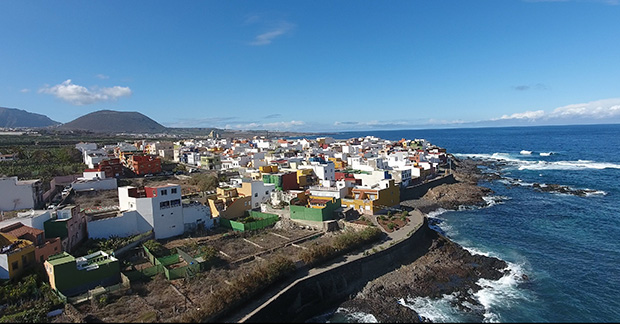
x=417, y=191
x=313, y=295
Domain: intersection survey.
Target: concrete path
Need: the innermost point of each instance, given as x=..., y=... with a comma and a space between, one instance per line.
x=416, y=221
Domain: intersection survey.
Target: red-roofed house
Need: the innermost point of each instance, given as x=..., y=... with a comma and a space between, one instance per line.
x=43, y=247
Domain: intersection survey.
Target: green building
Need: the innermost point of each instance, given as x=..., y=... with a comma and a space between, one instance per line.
x=319, y=209
x=73, y=276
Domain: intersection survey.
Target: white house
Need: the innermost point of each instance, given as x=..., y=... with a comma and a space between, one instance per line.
x=16, y=195
x=324, y=171
x=86, y=146
x=94, y=180
x=152, y=208
x=160, y=206
x=258, y=190
x=94, y=157
x=33, y=218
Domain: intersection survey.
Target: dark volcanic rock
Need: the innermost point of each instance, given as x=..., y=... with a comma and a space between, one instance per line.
x=446, y=268
x=451, y=196
x=561, y=189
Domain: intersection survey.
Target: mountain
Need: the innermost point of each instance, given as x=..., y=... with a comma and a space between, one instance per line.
x=110, y=121
x=12, y=117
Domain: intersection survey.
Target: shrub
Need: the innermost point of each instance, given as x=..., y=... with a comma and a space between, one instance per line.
x=317, y=254
x=241, y=289
x=156, y=248
x=391, y=225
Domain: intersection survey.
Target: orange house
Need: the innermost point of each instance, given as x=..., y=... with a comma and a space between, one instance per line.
x=43, y=247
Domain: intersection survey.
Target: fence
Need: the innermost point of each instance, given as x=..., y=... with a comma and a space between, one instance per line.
x=264, y=220
x=135, y=242
x=161, y=265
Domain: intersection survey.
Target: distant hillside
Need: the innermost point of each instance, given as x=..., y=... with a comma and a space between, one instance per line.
x=11, y=117
x=109, y=121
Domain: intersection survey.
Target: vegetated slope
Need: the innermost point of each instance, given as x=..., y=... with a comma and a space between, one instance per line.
x=110, y=121
x=12, y=117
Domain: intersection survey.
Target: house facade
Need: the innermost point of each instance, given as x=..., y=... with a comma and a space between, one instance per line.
x=24, y=194
x=16, y=255
x=72, y=276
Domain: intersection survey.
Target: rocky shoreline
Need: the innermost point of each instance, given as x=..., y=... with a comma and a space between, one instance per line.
x=446, y=268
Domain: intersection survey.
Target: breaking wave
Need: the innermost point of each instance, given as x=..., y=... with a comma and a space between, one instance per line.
x=567, y=165
x=544, y=165
x=494, y=200
x=494, y=294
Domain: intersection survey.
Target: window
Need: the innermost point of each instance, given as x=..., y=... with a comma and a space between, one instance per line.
x=267, y=192
x=173, y=190
x=164, y=204
x=256, y=194
x=15, y=265
x=164, y=192
x=175, y=203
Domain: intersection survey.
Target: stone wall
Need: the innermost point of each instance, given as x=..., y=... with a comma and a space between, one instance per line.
x=417, y=191
x=316, y=294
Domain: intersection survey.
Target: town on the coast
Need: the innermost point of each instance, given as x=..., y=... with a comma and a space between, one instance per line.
x=196, y=229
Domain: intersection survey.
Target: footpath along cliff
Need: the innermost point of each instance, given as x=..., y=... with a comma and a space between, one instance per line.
x=445, y=268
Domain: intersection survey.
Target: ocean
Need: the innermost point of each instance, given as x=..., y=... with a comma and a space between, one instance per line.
x=568, y=246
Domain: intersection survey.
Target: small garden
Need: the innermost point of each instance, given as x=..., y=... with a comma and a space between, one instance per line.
x=392, y=222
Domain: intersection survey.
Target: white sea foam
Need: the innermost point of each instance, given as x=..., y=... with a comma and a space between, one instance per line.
x=437, y=310
x=502, y=292
x=499, y=293
x=357, y=317
x=545, y=165
x=494, y=156
x=568, y=165
x=494, y=200
x=524, y=152
x=436, y=213
x=596, y=193
x=476, y=251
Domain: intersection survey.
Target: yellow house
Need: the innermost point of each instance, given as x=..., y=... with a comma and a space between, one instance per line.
x=228, y=203
x=15, y=256
x=339, y=164
x=373, y=200
x=305, y=177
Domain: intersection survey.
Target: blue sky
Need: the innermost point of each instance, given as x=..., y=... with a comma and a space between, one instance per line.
x=316, y=65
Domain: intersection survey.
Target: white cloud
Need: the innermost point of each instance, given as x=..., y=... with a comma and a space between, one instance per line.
x=102, y=76
x=594, y=109
x=24, y=90
x=599, y=109
x=283, y=125
x=267, y=37
x=79, y=95
x=525, y=115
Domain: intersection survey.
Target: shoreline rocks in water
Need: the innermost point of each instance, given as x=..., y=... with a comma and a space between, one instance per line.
x=447, y=268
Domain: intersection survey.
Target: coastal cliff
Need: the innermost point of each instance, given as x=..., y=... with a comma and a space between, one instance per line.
x=446, y=268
